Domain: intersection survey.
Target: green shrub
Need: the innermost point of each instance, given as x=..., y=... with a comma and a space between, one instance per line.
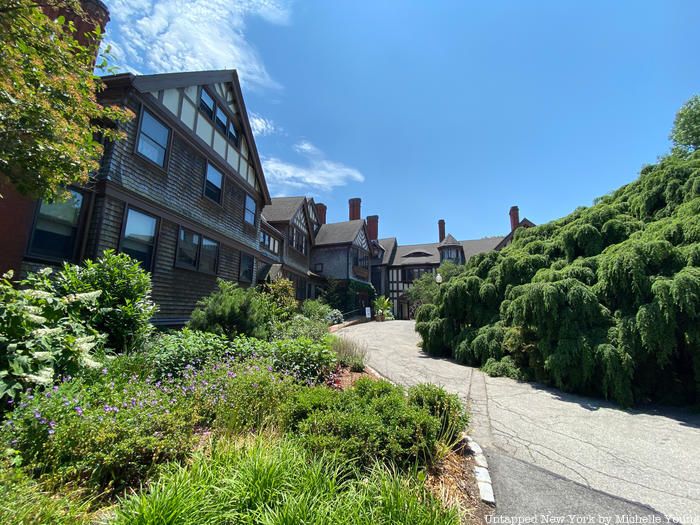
x=604, y=301
x=447, y=408
x=300, y=327
x=305, y=360
x=42, y=335
x=230, y=310
x=174, y=352
x=281, y=296
x=349, y=353
x=382, y=308
x=108, y=434
x=503, y=368
x=369, y=422
x=335, y=316
x=271, y=481
x=316, y=310
x=250, y=397
x=124, y=306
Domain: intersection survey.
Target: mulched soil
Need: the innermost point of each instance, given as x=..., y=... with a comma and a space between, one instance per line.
x=452, y=480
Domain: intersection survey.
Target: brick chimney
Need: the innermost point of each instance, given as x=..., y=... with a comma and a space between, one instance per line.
x=514, y=218
x=321, y=210
x=95, y=13
x=355, y=209
x=373, y=227
x=441, y=230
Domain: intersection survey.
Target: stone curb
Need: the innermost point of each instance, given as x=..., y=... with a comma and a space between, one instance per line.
x=481, y=471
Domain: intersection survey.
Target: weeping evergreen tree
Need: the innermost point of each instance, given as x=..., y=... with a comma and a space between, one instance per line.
x=604, y=301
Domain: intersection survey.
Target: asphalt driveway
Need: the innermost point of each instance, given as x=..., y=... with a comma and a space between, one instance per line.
x=552, y=453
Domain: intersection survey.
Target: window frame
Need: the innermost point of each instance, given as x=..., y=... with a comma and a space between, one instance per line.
x=230, y=118
x=200, y=102
x=197, y=266
x=80, y=231
x=168, y=147
x=246, y=210
x=156, y=233
x=208, y=163
x=240, y=267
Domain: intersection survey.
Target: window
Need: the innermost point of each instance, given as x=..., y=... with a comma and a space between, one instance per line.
x=411, y=274
x=297, y=238
x=245, y=275
x=360, y=258
x=318, y=267
x=213, y=183
x=153, y=139
x=56, y=228
x=187, y=249
x=250, y=209
x=221, y=120
x=232, y=134
x=139, y=237
x=196, y=252
x=208, y=255
x=269, y=242
x=206, y=103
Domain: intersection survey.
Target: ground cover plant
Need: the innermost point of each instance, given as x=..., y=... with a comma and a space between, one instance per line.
x=268, y=480
x=604, y=301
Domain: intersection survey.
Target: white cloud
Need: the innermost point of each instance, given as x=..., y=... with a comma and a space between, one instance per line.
x=317, y=173
x=157, y=36
x=262, y=126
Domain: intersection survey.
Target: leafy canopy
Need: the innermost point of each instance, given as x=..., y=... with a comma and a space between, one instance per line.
x=49, y=114
x=604, y=301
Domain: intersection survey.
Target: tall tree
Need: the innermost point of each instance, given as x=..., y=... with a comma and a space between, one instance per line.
x=49, y=114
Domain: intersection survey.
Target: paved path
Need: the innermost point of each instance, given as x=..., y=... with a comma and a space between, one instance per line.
x=556, y=453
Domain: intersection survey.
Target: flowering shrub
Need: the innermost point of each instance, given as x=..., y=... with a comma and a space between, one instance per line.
x=305, y=360
x=335, y=316
x=109, y=434
x=41, y=334
x=173, y=352
x=124, y=305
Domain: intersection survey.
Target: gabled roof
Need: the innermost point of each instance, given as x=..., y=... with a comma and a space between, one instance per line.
x=389, y=245
x=448, y=241
x=477, y=246
x=505, y=241
x=282, y=209
x=339, y=232
x=429, y=254
x=149, y=83
x=416, y=254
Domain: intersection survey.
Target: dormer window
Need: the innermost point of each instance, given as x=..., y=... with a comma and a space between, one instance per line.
x=206, y=103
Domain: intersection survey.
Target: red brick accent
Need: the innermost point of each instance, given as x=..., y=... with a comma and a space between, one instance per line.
x=441, y=230
x=514, y=217
x=16, y=216
x=321, y=210
x=373, y=227
x=94, y=13
x=355, y=209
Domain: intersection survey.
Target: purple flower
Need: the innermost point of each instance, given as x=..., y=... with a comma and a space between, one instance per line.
x=10, y=401
x=52, y=424
x=269, y=369
x=104, y=371
x=51, y=431
x=37, y=414
x=55, y=388
x=79, y=411
x=254, y=385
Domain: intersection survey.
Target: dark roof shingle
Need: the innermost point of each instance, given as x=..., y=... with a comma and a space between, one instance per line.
x=282, y=209
x=338, y=232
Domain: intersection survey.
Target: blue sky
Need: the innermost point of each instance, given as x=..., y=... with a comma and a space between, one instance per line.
x=437, y=109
